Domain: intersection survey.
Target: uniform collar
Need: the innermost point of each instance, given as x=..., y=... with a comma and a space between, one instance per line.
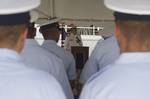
x=136, y=57
x=31, y=42
x=50, y=41
x=9, y=55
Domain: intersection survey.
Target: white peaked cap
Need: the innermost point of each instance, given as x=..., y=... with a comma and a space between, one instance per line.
x=17, y=6
x=50, y=21
x=34, y=16
x=138, y=7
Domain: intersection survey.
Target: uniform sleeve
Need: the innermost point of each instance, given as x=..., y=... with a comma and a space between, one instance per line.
x=72, y=68
x=89, y=69
x=85, y=94
x=92, y=65
x=51, y=89
x=63, y=80
x=34, y=85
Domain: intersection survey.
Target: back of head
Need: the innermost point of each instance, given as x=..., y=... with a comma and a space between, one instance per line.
x=14, y=19
x=9, y=35
x=50, y=31
x=132, y=24
x=134, y=35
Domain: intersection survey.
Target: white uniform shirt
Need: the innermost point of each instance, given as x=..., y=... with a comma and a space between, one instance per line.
x=20, y=82
x=127, y=78
x=66, y=57
x=105, y=52
x=36, y=57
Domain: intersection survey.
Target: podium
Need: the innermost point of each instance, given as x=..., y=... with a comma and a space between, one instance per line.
x=81, y=55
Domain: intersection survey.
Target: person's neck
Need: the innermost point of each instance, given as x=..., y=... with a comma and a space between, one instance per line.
x=8, y=47
x=135, y=48
x=51, y=39
x=30, y=37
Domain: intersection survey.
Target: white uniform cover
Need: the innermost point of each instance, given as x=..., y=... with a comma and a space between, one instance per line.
x=17, y=6
x=137, y=7
x=20, y=82
x=66, y=57
x=36, y=57
x=105, y=52
x=127, y=78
